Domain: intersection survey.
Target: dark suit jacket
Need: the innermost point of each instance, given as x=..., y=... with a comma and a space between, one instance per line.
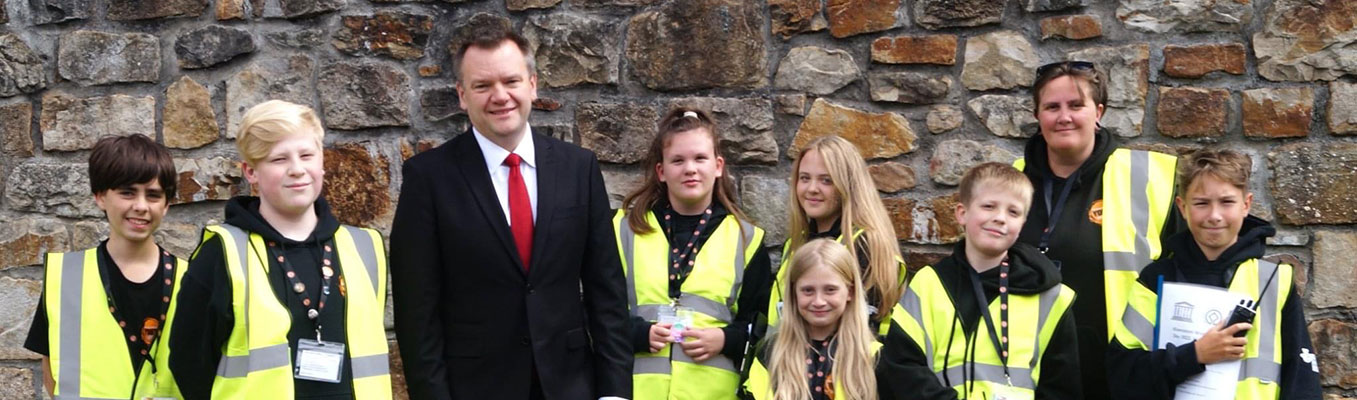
x=470, y=323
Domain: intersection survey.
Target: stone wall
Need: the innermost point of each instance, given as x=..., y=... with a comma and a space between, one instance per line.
x=926, y=88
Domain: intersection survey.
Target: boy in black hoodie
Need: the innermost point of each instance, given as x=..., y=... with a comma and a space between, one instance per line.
x=280, y=277
x=1021, y=345
x=1222, y=249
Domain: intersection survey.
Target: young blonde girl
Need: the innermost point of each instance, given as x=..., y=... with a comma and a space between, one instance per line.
x=832, y=195
x=825, y=349
x=688, y=250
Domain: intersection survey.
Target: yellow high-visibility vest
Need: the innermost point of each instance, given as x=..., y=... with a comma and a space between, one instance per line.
x=928, y=316
x=780, y=277
x=88, y=352
x=759, y=383
x=1260, y=374
x=711, y=290
x=256, y=362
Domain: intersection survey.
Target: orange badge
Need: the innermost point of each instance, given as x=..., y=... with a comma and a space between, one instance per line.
x=343, y=289
x=1095, y=212
x=150, y=327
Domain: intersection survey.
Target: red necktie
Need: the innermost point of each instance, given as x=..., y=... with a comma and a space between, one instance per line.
x=520, y=210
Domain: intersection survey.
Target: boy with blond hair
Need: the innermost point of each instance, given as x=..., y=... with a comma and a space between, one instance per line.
x=285, y=302
x=992, y=321
x=1223, y=248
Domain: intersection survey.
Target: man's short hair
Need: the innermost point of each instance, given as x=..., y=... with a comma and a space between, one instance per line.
x=123, y=161
x=992, y=176
x=1227, y=165
x=488, y=36
x=272, y=121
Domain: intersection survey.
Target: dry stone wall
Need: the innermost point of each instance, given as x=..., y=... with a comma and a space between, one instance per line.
x=925, y=88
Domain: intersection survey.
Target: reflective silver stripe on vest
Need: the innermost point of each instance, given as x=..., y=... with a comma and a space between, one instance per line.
x=651, y=365
x=1044, y=305
x=373, y=365
x=1022, y=377
x=1140, y=219
x=1121, y=261
x=717, y=311
x=629, y=256
x=1263, y=367
x=72, y=289
x=1139, y=326
x=746, y=236
x=258, y=360
x=366, y=252
x=914, y=307
x=716, y=361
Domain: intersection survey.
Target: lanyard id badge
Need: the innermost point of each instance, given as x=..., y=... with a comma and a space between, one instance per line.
x=319, y=360
x=680, y=318
x=1006, y=392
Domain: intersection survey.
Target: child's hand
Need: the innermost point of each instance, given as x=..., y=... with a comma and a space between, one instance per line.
x=703, y=343
x=1219, y=344
x=659, y=336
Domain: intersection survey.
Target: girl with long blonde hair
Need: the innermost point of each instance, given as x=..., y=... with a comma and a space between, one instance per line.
x=833, y=195
x=825, y=348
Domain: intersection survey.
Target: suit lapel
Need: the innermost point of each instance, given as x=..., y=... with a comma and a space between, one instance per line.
x=471, y=163
x=549, y=174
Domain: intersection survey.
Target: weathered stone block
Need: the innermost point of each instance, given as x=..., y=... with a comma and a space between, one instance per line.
x=882, y=135
x=944, y=118
x=70, y=123
x=100, y=58
x=50, y=188
x=999, y=60
x=440, y=103
x=927, y=49
x=1185, y=15
x=1193, y=112
x=1128, y=72
x=520, y=5
x=816, y=70
x=604, y=3
x=1307, y=40
x=22, y=68
x=297, y=39
x=23, y=242
x=855, y=17
x=617, y=133
x=938, y=14
x=1199, y=60
x=430, y=71
x=20, y=297
x=88, y=233
x=1342, y=108
x=1333, y=341
x=16, y=383
x=791, y=17
x=266, y=79
x=202, y=179
x=128, y=10
x=791, y=104
x=230, y=9
x=931, y=221
x=765, y=200
x=211, y=45
x=357, y=184
x=669, y=48
x=1278, y=112
x=891, y=177
x=363, y=95
x=746, y=127
x=909, y=87
x=394, y=34
x=620, y=184
x=189, y=121
x=1052, y=5
x=16, y=122
x=294, y=8
x=1076, y=27
x=1317, y=183
x=1005, y=116
x=573, y=49
x=53, y=11
x=178, y=238
x=546, y=104
x=952, y=158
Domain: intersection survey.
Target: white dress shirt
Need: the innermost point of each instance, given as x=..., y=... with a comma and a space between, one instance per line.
x=499, y=173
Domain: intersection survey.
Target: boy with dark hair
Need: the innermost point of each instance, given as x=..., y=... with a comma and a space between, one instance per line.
x=1222, y=248
x=100, y=325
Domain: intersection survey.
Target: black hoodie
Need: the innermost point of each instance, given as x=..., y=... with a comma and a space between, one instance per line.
x=903, y=372
x=1076, y=245
x=205, y=317
x=1140, y=374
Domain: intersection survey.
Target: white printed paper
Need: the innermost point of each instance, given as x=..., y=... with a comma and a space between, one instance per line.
x=1186, y=312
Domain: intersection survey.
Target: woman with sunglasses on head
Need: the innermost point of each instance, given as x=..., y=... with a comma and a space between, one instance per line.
x=1100, y=211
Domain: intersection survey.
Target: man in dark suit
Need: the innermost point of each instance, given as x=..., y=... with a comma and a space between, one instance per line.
x=505, y=270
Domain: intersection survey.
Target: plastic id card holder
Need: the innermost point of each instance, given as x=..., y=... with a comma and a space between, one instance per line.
x=319, y=361
x=1004, y=392
x=680, y=319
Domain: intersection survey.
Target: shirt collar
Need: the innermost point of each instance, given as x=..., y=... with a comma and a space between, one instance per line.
x=495, y=155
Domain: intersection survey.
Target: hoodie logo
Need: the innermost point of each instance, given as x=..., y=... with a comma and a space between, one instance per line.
x=1095, y=212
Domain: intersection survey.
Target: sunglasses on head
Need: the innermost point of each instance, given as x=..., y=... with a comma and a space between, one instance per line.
x=1072, y=65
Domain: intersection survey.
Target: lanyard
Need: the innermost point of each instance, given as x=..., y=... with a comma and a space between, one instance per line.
x=326, y=271
x=681, y=257
x=1000, y=348
x=146, y=343
x=1053, y=214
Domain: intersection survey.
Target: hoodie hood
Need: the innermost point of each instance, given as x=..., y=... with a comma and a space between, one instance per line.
x=1039, y=165
x=1186, y=256
x=1030, y=272
x=243, y=212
